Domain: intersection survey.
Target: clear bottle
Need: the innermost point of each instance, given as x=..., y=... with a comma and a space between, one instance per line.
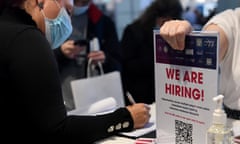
x=218, y=133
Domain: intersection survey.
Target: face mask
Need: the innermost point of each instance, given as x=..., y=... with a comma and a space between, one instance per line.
x=59, y=29
x=79, y=10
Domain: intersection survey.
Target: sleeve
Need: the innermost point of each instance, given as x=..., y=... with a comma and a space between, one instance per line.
x=93, y=128
x=34, y=73
x=34, y=70
x=61, y=59
x=226, y=21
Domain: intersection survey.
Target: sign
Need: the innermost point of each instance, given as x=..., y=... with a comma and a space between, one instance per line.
x=185, y=83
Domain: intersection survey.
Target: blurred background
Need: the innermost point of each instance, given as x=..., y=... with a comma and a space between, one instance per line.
x=124, y=12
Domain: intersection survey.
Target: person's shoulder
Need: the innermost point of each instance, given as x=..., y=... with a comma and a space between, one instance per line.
x=19, y=29
x=135, y=26
x=17, y=26
x=28, y=31
x=107, y=18
x=235, y=11
x=13, y=31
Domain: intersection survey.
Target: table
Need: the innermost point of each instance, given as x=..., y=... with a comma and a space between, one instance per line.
x=235, y=124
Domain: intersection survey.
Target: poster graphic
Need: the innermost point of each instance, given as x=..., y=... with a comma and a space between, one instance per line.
x=185, y=83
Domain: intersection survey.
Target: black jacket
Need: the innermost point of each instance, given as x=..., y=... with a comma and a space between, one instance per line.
x=32, y=104
x=138, y=62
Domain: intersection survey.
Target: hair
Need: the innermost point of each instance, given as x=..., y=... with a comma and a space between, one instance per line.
x=9, y=3
x=161, y=8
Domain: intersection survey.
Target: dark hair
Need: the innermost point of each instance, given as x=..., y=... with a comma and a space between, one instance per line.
x=14, y=2
x=161, y=8
x=9, y=3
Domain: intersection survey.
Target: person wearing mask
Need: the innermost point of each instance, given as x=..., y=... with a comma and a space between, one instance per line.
x=32, y=102
x=138, y=51
x=88, y=23
x=227, y=23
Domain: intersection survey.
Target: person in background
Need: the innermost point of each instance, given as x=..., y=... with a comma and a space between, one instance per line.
x=227, y=23
x=194, y=17
x=88, y=23
x=138, y=51
x=32, y=102
x=190, y=15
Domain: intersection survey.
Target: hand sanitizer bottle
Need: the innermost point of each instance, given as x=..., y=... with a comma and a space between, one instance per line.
x=218, y=133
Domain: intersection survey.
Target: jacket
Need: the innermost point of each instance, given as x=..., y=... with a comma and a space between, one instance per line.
x=32, y=101
x=138, y=62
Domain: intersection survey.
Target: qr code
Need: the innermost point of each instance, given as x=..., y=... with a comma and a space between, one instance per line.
x=183, y=132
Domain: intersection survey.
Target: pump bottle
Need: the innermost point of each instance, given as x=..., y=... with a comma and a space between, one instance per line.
x=218, y=133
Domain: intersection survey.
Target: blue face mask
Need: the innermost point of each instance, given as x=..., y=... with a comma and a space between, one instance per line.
x=59, y=29
x=79, y=10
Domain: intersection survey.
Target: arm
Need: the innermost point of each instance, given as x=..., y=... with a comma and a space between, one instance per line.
x=35, y=75
x=223, y=39
x=174, y=33
x=93, y=128
x=66, y=53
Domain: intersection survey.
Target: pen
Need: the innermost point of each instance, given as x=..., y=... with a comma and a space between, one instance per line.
x=130, y=98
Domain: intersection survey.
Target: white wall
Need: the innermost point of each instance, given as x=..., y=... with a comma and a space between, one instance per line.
x=226, y=4
x=128, y=10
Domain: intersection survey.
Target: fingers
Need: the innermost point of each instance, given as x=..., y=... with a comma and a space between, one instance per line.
x=174, y=32
x=70, y=50
x=147, y=112
x=147, y=106
x=97, y=56
x=140, y=113
x=66, y=48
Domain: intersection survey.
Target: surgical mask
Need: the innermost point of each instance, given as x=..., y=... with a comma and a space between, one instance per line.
x=79, y=10
x=57, y=30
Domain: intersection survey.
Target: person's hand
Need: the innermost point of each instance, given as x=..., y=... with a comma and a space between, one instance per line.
x=69, y=6
x=97, y=56
x=140, y=114
x=70, y=50
x=174, y=32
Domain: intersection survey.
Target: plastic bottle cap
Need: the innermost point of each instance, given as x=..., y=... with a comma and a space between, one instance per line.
x=219, y=115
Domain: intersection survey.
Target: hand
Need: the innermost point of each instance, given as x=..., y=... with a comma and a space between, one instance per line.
x=70, y=50
x=140, y=114
x=69, y=6
x=97, y=56
x=174, y=33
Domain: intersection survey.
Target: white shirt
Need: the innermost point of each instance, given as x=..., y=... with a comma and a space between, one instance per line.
x=229, y=86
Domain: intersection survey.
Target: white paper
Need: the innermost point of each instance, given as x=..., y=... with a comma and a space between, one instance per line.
x=98, y=93
x=116, y=140
x=104, y=106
